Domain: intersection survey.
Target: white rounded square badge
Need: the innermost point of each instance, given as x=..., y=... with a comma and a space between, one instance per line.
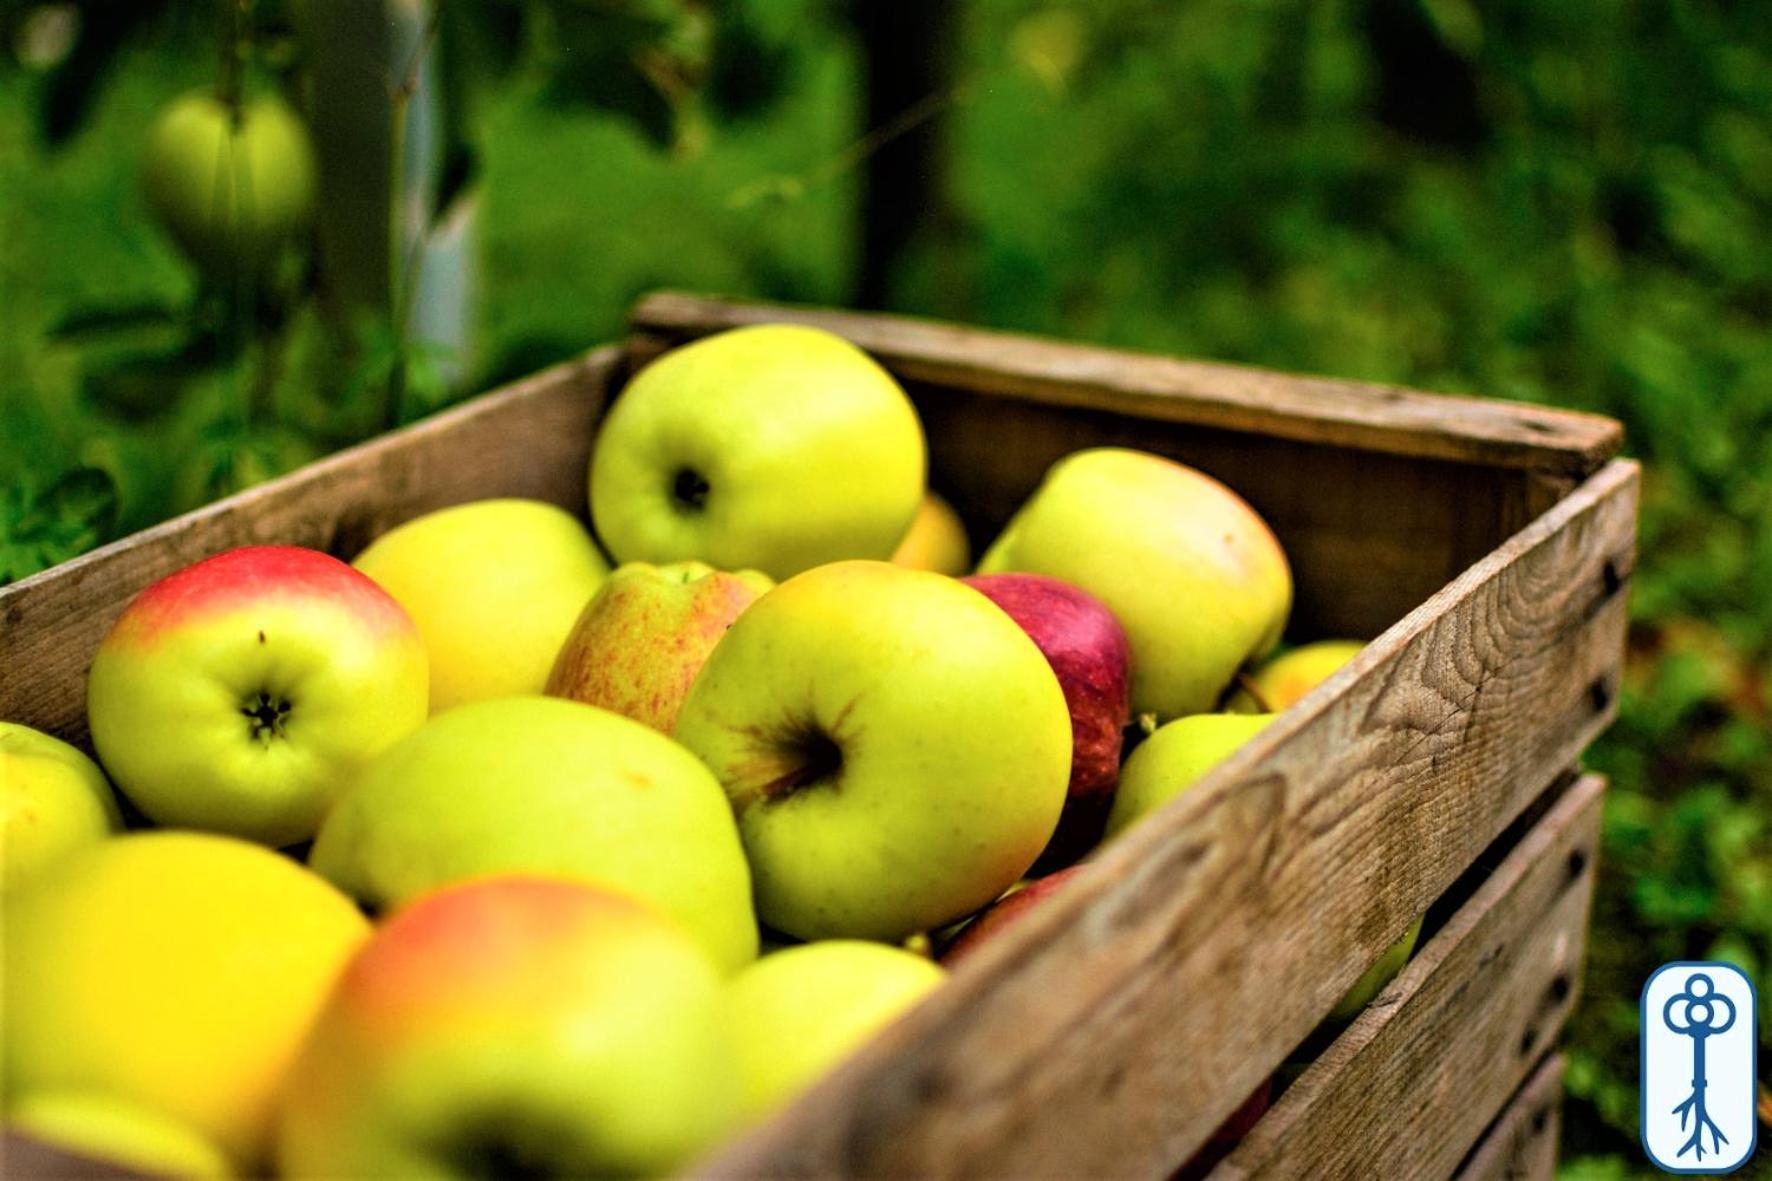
x=1698, y=1063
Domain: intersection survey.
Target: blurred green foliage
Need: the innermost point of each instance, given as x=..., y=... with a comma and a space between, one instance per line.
x=1566, y=202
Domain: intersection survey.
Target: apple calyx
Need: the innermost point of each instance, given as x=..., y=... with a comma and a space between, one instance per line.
x=266, y=716
x=689, y=490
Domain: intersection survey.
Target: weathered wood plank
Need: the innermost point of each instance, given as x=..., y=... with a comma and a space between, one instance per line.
x=530, y=439
x=1343, y=413
x=1522, y=1144
x=1112, y=1030
x=1411, y=1085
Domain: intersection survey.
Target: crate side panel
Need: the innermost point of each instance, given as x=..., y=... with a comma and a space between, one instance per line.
x=1522, y=1144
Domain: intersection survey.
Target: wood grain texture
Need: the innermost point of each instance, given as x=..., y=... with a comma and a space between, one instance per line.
x=22, y=1157
x=1343, y=413
x=1113, y=1029
x=1411, y=1085
x=1522, y=1143
x=531, y=439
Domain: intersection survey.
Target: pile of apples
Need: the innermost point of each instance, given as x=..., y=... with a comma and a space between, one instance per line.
x=477, y=857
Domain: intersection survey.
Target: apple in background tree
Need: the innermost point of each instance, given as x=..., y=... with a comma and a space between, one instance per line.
x=646, y=633
x=1284, y=680
x=775, y=447
x=797, y=1013
x=1171, y=760
x=539, y=785
x=936, y=540
x=53, y=800
x=895, y=748
x=515, y=1027
x=240, y=693
x=1003, y=913
x=494, y=586
x=118, y=1132
x=1192, y=573
x=174, y=972
x=230, y=193
x=1088, y=650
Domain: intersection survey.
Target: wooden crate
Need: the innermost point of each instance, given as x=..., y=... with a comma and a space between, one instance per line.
x=1488, y=546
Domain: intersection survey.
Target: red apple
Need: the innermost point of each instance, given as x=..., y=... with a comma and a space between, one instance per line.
x=1229, y=1134
x=1088, y=649
x=1004, y=912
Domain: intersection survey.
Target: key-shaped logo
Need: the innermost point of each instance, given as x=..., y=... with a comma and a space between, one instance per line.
x=1698, y=1067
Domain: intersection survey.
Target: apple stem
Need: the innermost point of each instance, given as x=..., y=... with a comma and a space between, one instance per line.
x=1247, y=684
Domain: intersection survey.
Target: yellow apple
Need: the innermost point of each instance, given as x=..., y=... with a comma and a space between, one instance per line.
x=117, y=1132
x=175, y=971
x=1286, y=678
x=1375, y=978
x=1171, y=760
x=1194, y=575
x=541, y=785
x=936, y=540
x=494, y=586
x=798, y=1012
x=774, y=447
x=53, y=800
x=896, y=749
x=515, y=1027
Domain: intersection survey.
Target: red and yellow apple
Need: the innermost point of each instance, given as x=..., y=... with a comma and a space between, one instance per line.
x=540, y=785
x=53, y=800
x=645, y=634
x=896, y=749
x=936, y=540
x=240, y=693
x=1088, y=651
x=1190, y=570
x=494, y=586
x=1283, y=680
x=1004, y=913
x=775, y=447
x=515, y=1026
x=173, y=972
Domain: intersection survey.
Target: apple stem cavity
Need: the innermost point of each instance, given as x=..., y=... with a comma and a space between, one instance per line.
x=266, y=716
x=812, y=757
x=1247, y=684
x=689, y=491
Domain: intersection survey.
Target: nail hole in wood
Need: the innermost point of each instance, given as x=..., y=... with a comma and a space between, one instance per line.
x=1528, y=1040
x=1540, y=1118
x=1577, y=863
x=1600, y=693
x=1610, y=578
x=1559, y=988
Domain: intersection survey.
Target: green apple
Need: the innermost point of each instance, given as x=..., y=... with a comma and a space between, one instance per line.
x=241, y=692
x=646, y=633
x=1374, y=979
x=775, y=447
x=118, y=1132
x=1173, y=759
x=53, y=800
x=1188, y=568
x=1286, y=678
x=540, y=785
x=796, y=1013
x=936, y=540
x=494, y=586
x=515, y=1027
x=175, y=973
x=230, y=188
x=895, y=747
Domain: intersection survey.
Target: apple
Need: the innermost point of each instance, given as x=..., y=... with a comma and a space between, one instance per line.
x=515, y=1027
x=494, y=586
x=775, y=447
x=53, y=800
x=797, y=1013
x=239, y=693
x=232, y=188
x=1005, y=912
x=896, y=749
x=1229, y=1134
x=644, y=636
x=1375, y=978
x=1282, y=681
x=540, y=785
x=1194, y=575
x=1088, y=650
x=1172, y=759
x=176, y=972
x=118, y=1132
x=936, y=540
